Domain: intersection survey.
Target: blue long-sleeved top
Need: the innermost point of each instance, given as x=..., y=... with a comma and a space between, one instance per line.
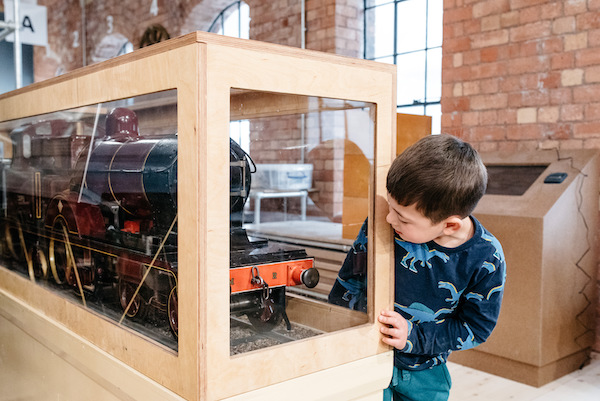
x=450, y=296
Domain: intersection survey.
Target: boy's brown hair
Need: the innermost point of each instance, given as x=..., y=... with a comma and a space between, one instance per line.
x=443, y=175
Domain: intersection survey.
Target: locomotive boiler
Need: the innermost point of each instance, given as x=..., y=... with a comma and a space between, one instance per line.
x=93, y=212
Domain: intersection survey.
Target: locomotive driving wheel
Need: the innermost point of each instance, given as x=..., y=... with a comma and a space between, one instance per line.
x=58, y=253
x=37, y=264
x=127, y=291
x=62, y=259
x=15, y=242
x=173, y=312
x=270, y=313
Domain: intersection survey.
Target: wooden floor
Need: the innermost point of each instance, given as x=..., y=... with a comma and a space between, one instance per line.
x=470, y=385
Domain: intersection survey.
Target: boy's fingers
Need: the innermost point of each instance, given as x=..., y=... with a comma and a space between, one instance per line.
x=391, y=341
x=388, y=319
x=391, y=330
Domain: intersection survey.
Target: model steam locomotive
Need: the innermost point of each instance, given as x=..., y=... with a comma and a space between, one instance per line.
x=94, y=211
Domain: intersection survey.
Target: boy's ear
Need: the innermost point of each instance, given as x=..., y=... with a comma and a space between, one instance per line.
x=452, y=224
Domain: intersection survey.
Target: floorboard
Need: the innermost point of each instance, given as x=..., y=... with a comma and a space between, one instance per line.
x=473, y=385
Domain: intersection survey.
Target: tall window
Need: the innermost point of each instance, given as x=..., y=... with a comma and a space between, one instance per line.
x=408, y=33
x=234, y=21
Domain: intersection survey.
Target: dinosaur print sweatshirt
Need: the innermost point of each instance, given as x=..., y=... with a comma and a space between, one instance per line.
x=451, y=297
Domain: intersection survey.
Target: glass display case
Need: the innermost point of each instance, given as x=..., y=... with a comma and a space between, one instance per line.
x=178, y=207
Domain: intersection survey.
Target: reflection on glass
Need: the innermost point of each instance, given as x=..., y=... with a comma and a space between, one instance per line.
x=89, y=208
x=300, y=173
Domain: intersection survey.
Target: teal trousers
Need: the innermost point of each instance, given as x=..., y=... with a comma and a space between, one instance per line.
x=419, y=385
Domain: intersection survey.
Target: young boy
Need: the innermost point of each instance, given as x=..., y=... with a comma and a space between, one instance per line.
x=449, y=270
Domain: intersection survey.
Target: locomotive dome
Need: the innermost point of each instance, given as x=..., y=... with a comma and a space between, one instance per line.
x=121, y=123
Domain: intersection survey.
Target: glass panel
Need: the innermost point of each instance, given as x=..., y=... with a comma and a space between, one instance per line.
x=411, y=26
x=236, y=20
x=434, y=75
x=244, y=21
x=299, y=195
x=97, y=224
x=387, y=60
x=435, y=23
x=380, y=25
x=411, y=78
x=417, y=110
x=435, y=111
x=374, y=3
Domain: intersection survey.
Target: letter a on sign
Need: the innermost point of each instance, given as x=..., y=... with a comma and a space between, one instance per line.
x=33, y=23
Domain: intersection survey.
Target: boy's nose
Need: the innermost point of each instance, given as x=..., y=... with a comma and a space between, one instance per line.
x=389, y=218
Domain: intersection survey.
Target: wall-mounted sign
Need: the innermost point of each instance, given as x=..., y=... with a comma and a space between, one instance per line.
x=34, y=23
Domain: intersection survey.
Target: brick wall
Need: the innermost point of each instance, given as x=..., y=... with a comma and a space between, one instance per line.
x=522, y=74
x=331, y=25
x=65, y=40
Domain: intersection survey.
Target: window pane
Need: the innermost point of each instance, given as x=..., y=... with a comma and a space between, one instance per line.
x=231, y=26
x=411, y=77
x=434, y=74
x=233, y=21
x=435, y=111
x=373, y=3
x=435, y=23
x=245, y=21
x=417, y=110
x=411, y=26
x=387, y=60
x=380, y=23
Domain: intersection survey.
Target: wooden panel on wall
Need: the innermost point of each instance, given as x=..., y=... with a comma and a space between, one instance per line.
x=409, y=129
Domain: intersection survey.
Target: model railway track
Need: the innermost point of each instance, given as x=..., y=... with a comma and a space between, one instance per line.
x=244, y=336
x=254, y=335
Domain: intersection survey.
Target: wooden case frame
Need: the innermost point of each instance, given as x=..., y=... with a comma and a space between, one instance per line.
x=203, y=68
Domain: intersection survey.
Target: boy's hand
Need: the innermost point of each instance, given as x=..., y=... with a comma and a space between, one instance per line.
x=395, y=329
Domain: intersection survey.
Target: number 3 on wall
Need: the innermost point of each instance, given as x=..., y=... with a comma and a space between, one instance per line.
x=109, y=22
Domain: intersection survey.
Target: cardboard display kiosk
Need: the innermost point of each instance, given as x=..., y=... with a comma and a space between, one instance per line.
x=126, y=267
x=543, y=208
